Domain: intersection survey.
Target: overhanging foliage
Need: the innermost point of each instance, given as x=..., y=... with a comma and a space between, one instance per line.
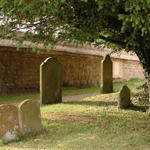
x=124, y=23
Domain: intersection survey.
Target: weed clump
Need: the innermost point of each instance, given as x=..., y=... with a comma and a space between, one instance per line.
x=142, y=96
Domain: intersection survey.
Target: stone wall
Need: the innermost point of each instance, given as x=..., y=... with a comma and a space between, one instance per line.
x=127, y=69
x=131, y=69
x=80, y=70
x=19, y=70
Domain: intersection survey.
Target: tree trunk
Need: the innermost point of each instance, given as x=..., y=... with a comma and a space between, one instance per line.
x=148, y=84
x=143, y=53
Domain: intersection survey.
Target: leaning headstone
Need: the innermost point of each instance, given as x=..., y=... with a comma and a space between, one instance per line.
x=9, y=125
x=29, y=116
x=50, y=81
x=124, y=97
x=106, y=75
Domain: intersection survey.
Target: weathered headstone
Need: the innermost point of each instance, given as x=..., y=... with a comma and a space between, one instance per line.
x=9, y=125
x=29, y=116
x=124, y=97
x=106, y=75
x=50, y=81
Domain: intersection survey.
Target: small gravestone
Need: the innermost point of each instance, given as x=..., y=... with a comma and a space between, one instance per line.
x=50, y=81
x=106, y=75
x=9, y=125
x=124, y=97
x=29, y=116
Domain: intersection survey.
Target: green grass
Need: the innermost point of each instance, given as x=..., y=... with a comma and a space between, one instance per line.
x=70, y=91
x=18, y=97
x=133, y=83
x=92, y=123
x=76, y=91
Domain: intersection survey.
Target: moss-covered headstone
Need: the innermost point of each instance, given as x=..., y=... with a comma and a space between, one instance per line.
x=124, y=97
x=29, y=116
x=50, y=81
x=9, y=125
x=106, y=75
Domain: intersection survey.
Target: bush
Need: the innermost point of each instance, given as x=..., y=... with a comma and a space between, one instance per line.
x=142, y=96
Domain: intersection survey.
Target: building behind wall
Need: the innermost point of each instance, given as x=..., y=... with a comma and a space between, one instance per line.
x=19, y=70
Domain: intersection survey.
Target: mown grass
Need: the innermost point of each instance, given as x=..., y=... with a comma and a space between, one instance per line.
x=133, y=83
x=70, y=91
x=92, y=123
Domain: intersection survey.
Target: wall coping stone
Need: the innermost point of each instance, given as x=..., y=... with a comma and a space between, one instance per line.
x=86, y=50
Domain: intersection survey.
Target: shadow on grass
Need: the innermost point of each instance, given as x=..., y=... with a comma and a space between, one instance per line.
x=138, y=108
x=105, y=103
x=92, y=103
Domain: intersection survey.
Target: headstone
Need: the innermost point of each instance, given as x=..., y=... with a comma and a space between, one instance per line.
x=29, y=116
x=50, y=81
x=106, y=75
x=124, y=97
x=9, y=125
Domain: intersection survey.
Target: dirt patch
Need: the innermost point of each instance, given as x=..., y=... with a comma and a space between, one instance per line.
x=78, y=96
x=71, y=118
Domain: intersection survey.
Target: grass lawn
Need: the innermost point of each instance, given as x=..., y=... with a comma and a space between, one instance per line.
x=70, y=91
x=92, y=123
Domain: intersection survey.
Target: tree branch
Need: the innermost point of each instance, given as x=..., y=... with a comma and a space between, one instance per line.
x=112, y=41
